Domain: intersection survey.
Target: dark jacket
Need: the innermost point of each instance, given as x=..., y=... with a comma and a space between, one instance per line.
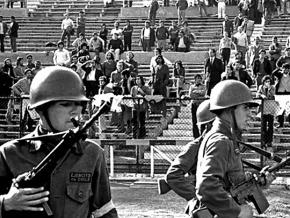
x=186, y=42
x=153, y=7
x=80, y=182
x=267, y=67
x=213, y=73
x=182, y=4
x=13, y=31
x=5, y=85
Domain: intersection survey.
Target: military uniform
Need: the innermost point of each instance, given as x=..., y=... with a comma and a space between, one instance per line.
x=219, y=167
x=79, y=186
x=184, y=163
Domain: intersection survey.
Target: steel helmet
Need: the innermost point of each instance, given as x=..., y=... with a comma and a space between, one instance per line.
x=203, y=114
x=229, y=93
x=56, y=84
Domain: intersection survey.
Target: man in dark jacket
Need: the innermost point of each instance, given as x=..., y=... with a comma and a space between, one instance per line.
x=213, y=69
x=5, y=87
x=127, y=33
x=13, y=33
x=261, y=67
x=3, y=31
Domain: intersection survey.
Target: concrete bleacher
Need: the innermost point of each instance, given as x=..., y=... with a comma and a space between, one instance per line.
x=44, y=25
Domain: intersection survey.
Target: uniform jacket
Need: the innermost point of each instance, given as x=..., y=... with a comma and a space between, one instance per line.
x=184, y=163
x=219, y=167
x=79, y=186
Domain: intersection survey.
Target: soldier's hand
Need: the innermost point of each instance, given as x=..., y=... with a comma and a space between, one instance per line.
x=246, y=211
x=268, y=177
x=27, y=199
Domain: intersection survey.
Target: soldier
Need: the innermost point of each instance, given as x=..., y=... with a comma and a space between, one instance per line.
x=79, y=186
x=185, y=162
x=219, y=164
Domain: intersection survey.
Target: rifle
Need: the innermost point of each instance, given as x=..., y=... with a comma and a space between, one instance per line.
x=250, y=190
x=40, y=174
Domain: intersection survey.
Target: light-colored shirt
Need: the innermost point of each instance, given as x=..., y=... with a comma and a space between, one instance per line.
x=241, y=39
x=66, y=23
x=61, y=58
x=181, y=43
x=1, y=28
x=146, y=33
x=225, y=43
x=118, y=31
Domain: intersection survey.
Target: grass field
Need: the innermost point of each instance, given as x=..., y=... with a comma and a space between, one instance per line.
x=144, y=202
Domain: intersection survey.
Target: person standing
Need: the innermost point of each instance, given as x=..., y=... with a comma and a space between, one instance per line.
x=225, y=46
x=219, y=161
x=253, y=52
x=104, y=35
x=13, y=33
x=275, y=50
x=153, y=7
x=81, y=24
x=173, y=34
x=180, y=176
x=140, y=108
x=221, y=8
x=202, y=7
x=80, y=182
x=61, y=55
x=67, y=26
x=3, y=31
x=196, y=93
x=181, y=5
x=228, y=26
x=127, y=33
x=266, y=92
x=213, y=70
x=161, y=35
x=147, y=37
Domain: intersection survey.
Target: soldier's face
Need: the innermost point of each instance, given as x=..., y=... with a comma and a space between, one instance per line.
x=61, y=112
x=243, y=115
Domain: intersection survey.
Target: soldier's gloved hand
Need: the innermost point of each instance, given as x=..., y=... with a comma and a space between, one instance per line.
x=267, y=176
x=27, y=199
x=246, y=211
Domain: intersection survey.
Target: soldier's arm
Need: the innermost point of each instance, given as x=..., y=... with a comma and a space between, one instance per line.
x=182, y=165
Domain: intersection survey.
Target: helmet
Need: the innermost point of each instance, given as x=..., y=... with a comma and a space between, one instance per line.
x=56, y=84
x=203, y=115
x=229, y=93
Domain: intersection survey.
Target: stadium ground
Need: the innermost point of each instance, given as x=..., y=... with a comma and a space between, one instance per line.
x=144, y=202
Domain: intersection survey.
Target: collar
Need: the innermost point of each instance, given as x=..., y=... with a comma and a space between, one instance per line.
x=47, y=143
x=222, y=126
